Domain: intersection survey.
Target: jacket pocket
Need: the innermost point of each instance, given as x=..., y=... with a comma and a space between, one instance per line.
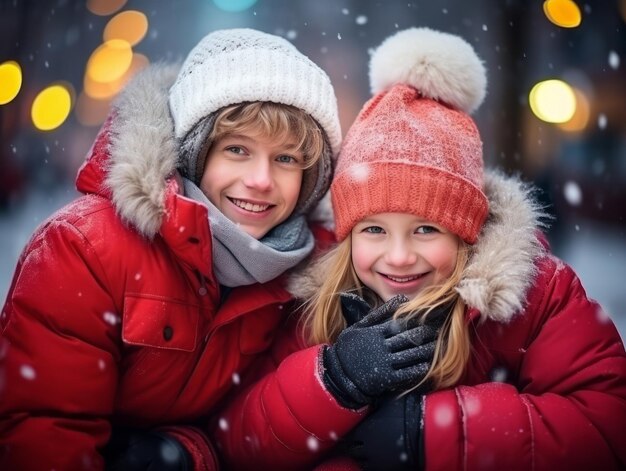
x=160, y=323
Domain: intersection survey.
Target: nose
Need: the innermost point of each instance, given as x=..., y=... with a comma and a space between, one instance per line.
x=400, y=253
x=259, y=175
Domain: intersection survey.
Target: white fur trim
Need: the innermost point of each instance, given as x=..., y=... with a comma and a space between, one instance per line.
x=143, y=149
x=502, y=267
x=441, y=66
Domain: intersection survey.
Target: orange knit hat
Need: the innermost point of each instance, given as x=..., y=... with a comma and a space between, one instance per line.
x=413, y=147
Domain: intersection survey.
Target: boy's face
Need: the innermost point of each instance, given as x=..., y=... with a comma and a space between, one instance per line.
x=399, y=253
x=253, y=180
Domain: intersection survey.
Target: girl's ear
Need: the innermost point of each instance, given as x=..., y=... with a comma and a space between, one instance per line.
x=353, y=307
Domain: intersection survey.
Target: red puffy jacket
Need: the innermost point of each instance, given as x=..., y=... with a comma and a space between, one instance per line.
x=545, y=387
x=114, y=315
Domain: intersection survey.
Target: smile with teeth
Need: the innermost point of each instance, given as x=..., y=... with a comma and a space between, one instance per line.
x=254, y=208
x=403, y=279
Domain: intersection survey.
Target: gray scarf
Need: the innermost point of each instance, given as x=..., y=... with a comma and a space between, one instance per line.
x=239, y=259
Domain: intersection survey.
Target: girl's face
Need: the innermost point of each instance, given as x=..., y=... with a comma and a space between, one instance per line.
x=399, y=253
x=253, y=180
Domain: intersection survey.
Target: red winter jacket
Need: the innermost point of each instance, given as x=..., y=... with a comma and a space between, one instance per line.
x=545, y=387
x=114, y=315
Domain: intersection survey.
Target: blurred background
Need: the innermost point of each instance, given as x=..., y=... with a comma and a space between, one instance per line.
x=555, y=112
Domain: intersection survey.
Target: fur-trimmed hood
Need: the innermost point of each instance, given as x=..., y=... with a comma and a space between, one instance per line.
x=501, y=268
x=135, y=155
x=143, y=149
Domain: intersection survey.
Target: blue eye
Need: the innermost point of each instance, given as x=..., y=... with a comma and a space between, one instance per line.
x=426, y=230
x=374, y=230
x=286, y=159
x=235, y=149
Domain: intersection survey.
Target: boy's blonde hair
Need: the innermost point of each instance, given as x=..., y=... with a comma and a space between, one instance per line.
x=274, y=120
x=324, y=319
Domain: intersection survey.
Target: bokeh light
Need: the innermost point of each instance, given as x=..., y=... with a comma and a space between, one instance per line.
x=130, y=26
x=563, y=13
x=104, y=7
x=234, y=5
x=578, y=122
x=110, y=61
x=10, y=81
x=101, y=91
x=552, y=101
x=51, y=107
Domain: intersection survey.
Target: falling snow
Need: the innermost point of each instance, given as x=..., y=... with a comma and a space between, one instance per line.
x=27, y=372
x=361, y=20
x=312, y=444
x=602, y=121
x=110, y=318
x=614, y=60
x=236, y=379
x=573, y=194
x=360, y=172
x=444, y=415
x=602, y=316
x=223, y=424
x=499, y=375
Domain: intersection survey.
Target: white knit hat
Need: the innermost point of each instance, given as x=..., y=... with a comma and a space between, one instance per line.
x=234, y=66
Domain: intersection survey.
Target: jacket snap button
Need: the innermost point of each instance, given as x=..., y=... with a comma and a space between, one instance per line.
x=168, y=333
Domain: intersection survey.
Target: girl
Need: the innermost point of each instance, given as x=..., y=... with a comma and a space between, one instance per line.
x=528, y=373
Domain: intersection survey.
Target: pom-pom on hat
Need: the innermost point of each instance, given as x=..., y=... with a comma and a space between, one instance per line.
x=414, y=148
x=233, y=66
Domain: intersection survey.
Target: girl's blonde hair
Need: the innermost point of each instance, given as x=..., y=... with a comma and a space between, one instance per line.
x=324, y=319
x=275, y=120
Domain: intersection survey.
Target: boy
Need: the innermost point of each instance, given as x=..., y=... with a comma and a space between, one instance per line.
x=143, y=302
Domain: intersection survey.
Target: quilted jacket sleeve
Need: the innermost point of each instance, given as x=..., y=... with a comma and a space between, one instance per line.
x=566, y=409
x=287, y=420
x=58, y=357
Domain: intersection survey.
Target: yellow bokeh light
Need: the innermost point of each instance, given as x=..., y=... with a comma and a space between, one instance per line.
x=130, y=25
x=10, y=81
x=103, y=91
x=552, y=101
x=104, y=7
x=110, y=61
x=579, y=120
x=51, y=107
x=563, y=13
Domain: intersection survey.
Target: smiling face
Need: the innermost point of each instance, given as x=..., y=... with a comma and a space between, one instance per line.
x=253, y=180
x=399, y=253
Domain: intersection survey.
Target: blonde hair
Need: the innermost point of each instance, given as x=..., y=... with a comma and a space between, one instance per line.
x=324, y=319
x=275, y=120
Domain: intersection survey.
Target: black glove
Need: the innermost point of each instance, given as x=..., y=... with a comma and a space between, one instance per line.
x=389, y=438
x=141, y=450
x=376, y=354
